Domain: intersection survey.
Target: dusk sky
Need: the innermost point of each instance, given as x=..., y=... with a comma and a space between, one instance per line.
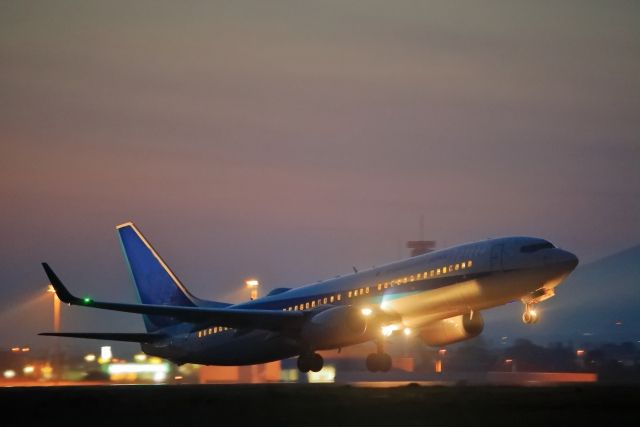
x=292, y=140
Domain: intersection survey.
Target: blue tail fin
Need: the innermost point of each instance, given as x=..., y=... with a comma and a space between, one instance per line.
x=153, y=279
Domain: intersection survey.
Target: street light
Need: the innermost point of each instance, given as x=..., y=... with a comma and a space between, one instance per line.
x=253, y=284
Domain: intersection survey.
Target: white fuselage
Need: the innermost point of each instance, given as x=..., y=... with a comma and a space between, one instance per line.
x=416, y=292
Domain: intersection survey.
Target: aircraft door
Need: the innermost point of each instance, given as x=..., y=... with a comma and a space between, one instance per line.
x=496, y=257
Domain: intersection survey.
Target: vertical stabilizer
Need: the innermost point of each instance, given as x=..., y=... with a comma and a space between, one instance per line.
x=154, y=281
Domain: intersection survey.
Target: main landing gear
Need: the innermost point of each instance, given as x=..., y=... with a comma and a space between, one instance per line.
x=310, y=362
x=530, y=315
x=379, y=361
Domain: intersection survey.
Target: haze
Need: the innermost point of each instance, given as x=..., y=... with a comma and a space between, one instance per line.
x=290, y=140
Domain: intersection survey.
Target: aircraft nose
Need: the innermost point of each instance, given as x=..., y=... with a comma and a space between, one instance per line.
x=566, y=259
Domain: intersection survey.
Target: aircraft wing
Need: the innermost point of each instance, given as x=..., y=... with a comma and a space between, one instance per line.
x=275, y=320
x=129, y=337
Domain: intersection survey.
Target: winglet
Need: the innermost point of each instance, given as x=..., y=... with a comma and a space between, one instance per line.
x=61, y=291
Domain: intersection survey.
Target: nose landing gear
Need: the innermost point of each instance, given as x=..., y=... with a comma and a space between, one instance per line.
x=530, y=315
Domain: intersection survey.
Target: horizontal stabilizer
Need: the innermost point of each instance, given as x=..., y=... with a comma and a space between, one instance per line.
x=130, y=337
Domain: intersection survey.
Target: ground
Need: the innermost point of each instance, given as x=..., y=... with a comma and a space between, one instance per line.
x=322, y=405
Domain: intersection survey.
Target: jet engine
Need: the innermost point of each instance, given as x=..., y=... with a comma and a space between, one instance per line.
x=335, y=327
x=453, y=329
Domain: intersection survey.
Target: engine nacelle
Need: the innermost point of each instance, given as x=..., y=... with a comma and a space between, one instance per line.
x=453, y=329
x=334, y=327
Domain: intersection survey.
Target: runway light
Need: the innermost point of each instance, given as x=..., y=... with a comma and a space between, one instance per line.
x=407, y=331
x=366, y=311
x=90, y=358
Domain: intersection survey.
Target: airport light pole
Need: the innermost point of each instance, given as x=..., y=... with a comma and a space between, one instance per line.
x=56, y=309
x=253, y=284
x=56, y=328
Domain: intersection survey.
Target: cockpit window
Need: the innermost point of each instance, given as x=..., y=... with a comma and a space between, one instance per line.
x=536, y=247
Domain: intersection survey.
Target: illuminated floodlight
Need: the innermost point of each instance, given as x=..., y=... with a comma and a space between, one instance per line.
x=387, y=330
x=252, y=283
x=407, y=331
x=29, y=369
x=579, y=352
x=105, y=353
x=140, y=357
x=326, y=375
x=366, y=311
x=90, y=358
x=9, y=373
x=137, y=368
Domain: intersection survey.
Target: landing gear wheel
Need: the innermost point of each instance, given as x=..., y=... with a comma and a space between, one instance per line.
x=303, y=364
x=316, y=362
x=378, y=362
x=385, y=362
x=372, y=364
x=310, y=362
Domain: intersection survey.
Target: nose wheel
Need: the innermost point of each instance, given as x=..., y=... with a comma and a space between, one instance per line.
x=530, y=315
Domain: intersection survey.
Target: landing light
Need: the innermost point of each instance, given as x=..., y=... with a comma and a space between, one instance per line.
x=366, y=311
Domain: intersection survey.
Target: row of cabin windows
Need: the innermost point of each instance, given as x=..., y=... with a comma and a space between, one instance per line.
x=427, y=274
x=311, y=304
x=396, y=282
x=210, y=331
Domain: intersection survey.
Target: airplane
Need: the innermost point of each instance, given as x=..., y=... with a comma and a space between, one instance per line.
x=440, y=295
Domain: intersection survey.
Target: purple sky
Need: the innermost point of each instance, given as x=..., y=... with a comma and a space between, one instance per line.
x=292, y=140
